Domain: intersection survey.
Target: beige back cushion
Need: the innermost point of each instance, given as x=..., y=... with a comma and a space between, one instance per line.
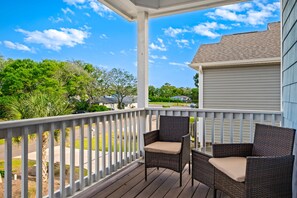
x=164, y=147
x=234, y=167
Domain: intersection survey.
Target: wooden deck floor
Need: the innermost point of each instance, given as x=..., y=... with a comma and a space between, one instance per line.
x=161, y=183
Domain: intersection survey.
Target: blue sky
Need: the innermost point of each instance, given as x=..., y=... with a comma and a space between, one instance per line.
x=88, y=31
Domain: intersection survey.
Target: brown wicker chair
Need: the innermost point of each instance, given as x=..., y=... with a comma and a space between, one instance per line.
x=269, y=164
x=175, y=131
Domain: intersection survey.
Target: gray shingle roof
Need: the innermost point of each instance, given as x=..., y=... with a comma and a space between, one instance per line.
x=243, y=46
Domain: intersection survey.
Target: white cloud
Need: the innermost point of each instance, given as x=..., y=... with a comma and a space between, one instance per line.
x=103, y=36
x=158, y=57
x=104, y=66
x=85, y=27
x=97, y=7
x=151, y=61
x=55, y=20
x=173, y=32
x=67, y=10
x=87, y=14
x=182, y=43
x=17, y=46
x=100, y=9
x=236, y=24
x=159, y=46
x=55, y=39
x=238, y=7
x=123, y=52
x=74, y=2
x=112, y=53
x=181, y=65
x=208, y=29
x=254, y=13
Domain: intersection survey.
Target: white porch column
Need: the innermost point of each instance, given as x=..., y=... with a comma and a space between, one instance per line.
x=142, y=71
x=142, y=60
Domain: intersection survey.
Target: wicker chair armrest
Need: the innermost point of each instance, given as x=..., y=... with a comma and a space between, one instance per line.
x=229, y=150
x=186, y=142
x=150, y=137
x=185, y=149
x=271, y=173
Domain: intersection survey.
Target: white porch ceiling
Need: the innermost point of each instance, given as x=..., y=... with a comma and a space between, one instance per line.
x=156, y=8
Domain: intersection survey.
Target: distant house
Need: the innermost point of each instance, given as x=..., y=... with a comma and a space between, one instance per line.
x=181, y=98
x=111, y=101
x=242, y=71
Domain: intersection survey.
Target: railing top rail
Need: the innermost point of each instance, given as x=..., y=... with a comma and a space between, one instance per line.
x=46, y=120
x=214, y=110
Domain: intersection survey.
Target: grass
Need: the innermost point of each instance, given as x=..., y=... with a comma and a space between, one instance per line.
x=86, y=144
x=17, y=165
x=2, y=141
x=171, y=104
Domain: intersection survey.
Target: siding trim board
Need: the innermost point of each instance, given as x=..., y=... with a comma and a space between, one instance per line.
x=289, y=71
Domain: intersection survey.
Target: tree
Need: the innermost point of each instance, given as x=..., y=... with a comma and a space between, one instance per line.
x=122, y=84
x=21, y=77
x=38, y=104
x=152, y=91
x=99, y=85
x=196, y=79
x=194, y=95
x=75, y=78
x=167, y=90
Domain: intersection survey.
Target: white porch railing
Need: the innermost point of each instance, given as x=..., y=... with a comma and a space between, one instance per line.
x=115, y=145
x=108, y=141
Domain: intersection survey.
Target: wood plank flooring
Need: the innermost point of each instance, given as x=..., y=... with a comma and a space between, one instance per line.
x=130, y=183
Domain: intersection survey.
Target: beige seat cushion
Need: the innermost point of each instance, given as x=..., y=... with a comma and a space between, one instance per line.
x=234, y=167
x=164, y=147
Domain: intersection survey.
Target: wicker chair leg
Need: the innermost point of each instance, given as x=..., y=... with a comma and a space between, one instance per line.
x=192, y=181
x=157, y=167
x=145, y=174
x=214, y=193
x=189, y=168
x=181, y=179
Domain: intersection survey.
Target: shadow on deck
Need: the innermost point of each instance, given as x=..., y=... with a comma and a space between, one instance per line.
x=161, y=183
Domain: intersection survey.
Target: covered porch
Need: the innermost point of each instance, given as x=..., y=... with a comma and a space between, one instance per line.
x=113, y=140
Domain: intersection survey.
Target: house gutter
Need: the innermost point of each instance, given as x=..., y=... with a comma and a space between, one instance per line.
x=260, y=61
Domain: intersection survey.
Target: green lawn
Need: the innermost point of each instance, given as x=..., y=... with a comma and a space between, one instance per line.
x=17, y=165
x=86, y=145
x=171, y=104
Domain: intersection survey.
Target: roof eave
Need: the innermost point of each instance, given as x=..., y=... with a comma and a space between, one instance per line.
x=166, y=11
x=259, y=61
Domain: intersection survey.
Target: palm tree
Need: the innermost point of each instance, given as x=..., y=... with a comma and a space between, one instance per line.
x=38, y=104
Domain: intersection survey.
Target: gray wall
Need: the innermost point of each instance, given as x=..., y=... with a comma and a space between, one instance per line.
x=243, y=87
x=289, y=98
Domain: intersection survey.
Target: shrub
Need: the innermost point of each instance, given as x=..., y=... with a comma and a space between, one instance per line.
x=166, y=106
x=81, y=105
x=96, y=108
x=162, y=99
x=2, y=172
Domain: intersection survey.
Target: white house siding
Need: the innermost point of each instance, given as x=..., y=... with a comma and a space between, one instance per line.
x=249, y=88
x=245, y=88
x=289, y=72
